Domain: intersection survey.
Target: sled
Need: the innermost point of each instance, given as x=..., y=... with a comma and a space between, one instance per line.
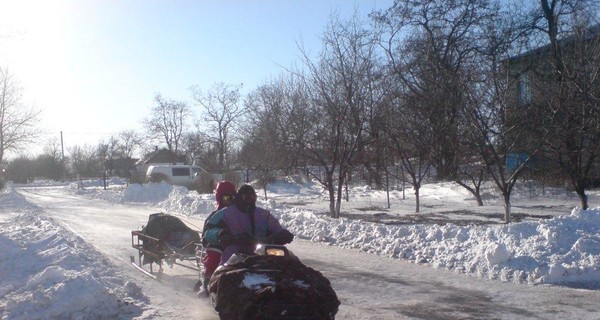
x=165, y=240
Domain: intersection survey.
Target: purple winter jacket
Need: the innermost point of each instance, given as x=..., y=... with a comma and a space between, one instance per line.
x=239, y=222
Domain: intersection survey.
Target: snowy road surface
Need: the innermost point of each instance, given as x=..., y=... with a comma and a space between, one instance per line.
x=368, y=286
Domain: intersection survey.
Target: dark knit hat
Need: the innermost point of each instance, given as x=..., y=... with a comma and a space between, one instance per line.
x=246, y=198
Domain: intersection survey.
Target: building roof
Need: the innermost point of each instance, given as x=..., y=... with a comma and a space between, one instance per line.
x=162, y=156
x=591, y=33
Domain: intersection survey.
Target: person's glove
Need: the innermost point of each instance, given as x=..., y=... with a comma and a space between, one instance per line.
x=244, y=238
x=280, y=238
x=225, y=238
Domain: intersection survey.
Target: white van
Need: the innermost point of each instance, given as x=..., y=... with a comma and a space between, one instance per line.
x=179, y=175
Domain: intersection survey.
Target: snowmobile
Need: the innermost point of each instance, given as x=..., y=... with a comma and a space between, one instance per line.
x=271, y=283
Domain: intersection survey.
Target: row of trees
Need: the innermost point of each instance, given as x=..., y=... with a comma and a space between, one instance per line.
x=429, y=84
x=83, y=161
x=422, y=85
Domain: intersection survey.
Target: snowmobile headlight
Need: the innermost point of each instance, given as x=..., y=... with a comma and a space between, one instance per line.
x=271, y=250
x=275, y=252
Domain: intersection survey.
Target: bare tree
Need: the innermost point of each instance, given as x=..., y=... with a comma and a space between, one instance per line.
x=221, y=108
x=340, y=83
x=493, y=140
x=47, y=166
x=570, y=87
x=128, y=142
x=109, y=149
x=53, y=148
x=86, y=161
x=258, y=155
x=201, y=151
x=431, y=49
x=20, y=169
x=410, y=142
x=17, y=122
x=496, y=129
x=471, y=176
x=276, y=126
x=277, y=122
x=430, y=46
x=168, y=121
x=50, y=163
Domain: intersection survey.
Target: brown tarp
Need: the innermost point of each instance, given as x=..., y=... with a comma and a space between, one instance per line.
x=172, y=232
x=287, y=288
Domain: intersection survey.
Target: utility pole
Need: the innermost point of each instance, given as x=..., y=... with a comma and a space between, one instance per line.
x=62, y=152
x=62, y=147
x=387, y=180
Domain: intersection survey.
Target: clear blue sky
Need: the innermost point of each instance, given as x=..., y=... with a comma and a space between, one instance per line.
x=94, y=67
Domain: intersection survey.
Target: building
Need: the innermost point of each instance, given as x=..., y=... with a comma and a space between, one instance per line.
x=552, y=99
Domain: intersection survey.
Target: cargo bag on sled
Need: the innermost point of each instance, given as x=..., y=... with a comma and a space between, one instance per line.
x=174, y=235
x=267, y=287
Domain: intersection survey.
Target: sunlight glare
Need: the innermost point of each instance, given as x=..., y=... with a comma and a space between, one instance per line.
x=33, y=47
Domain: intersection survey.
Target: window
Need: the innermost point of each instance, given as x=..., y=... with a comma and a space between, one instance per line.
x=181, y=172
x=525, y=89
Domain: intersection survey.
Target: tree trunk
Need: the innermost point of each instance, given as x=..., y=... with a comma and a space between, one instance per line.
x=331, y=192
x=340, y=190
x=347, y=193
x=331, y=203
x=507, y=208
x=479, y=199
x=580, y=190
x=475, y=191
x=338, y=206
x=417, y=202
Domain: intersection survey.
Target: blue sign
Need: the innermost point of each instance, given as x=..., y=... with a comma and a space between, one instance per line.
x=515, y=159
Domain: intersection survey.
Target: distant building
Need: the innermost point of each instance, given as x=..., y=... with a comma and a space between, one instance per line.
x=535, y=69
x=533, y=86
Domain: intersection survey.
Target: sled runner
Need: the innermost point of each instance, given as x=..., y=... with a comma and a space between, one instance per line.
x=165, y=238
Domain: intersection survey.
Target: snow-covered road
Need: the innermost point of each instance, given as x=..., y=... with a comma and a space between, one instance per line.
x=107, y=226
x=369, y=286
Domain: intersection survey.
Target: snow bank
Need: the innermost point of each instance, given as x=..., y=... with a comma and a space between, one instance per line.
x=47, y=272
x=559, y=250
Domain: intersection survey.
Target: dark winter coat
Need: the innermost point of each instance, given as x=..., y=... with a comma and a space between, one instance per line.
x=259, y=223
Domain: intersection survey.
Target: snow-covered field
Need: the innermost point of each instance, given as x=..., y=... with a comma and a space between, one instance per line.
x=554, y=242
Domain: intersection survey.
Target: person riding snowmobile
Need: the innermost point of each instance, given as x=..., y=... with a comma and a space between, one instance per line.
x=238, y=228
x=224, y=196
x=267, y=281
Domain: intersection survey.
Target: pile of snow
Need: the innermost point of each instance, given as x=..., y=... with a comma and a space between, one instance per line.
x=48, y=272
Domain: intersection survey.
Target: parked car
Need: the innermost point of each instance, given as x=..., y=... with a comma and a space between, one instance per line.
x=180, y=175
